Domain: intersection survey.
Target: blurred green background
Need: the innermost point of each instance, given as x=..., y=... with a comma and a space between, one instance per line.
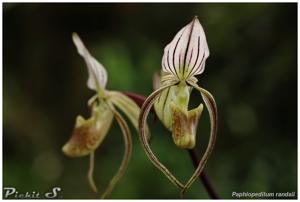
x=252, y=72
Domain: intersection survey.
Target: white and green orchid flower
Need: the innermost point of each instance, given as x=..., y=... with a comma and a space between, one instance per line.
x=183, y=59
x=88, y=134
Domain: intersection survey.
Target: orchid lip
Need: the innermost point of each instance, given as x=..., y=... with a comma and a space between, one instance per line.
x=184, y=124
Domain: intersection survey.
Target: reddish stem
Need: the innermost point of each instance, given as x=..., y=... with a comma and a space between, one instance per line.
x=212, y=193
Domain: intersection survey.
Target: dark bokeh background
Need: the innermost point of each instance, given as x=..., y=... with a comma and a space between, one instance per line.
x=252, y=72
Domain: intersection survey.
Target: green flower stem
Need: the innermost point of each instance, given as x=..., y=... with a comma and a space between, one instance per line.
x=128, y=107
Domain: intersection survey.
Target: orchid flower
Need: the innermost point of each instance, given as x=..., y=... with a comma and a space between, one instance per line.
x=184, y=58
x=89, y=133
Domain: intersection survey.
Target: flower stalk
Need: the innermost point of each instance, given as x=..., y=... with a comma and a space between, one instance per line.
x=203, y=177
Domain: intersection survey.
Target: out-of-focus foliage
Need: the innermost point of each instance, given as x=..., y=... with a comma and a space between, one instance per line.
x=252, y=72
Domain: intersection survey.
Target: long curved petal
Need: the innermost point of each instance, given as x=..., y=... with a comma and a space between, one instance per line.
x=127, y=152
x=143, y=138
x=212, y=110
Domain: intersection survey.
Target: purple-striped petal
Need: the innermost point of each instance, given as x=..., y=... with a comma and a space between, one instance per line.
x=97, y=73
x=185, y=56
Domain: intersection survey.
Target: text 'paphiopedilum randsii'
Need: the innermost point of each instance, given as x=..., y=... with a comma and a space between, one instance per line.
x=184, y=58
x=89, y=133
